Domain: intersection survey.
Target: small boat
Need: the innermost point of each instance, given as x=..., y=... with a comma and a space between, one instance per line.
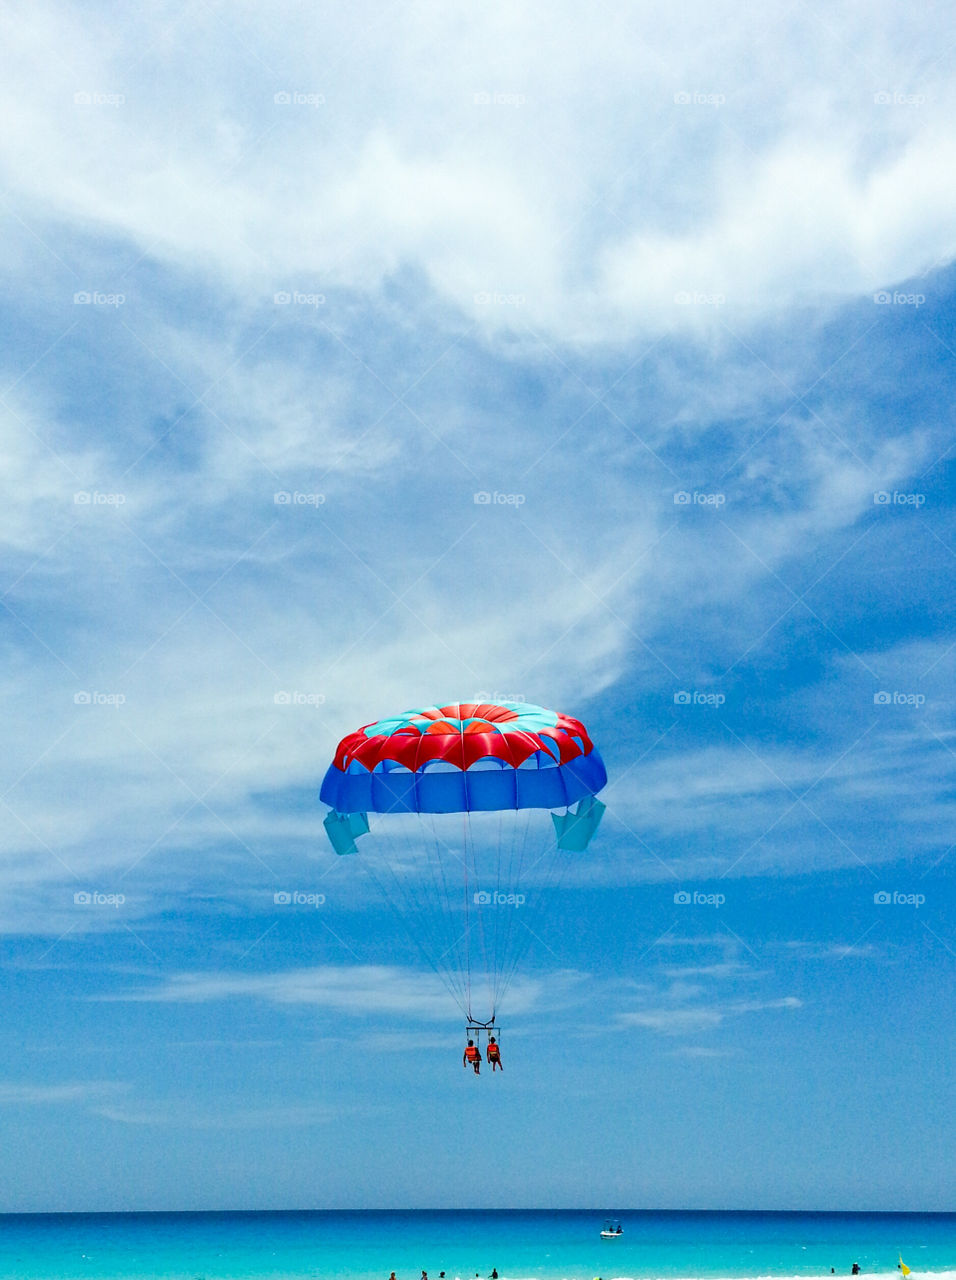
x=611, y=1229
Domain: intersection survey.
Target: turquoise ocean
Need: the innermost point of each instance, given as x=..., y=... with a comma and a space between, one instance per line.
x=546, y=1245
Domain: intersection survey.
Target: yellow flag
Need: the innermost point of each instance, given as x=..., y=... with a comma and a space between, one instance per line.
x=903, y=1267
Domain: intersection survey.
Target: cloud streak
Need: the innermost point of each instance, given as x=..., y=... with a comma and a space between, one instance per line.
x=689, y=1021
x=351, y=990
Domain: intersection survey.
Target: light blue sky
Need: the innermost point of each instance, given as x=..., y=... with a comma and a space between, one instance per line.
x=685, y=304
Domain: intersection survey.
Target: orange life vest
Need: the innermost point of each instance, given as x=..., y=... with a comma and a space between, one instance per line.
x=472, y=1054
x=493, y=1051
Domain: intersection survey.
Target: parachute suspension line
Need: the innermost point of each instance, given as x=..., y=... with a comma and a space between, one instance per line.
x=517, y=948
x=454, y=935
x=481, y=917
x=439, y=915
x=512, y=924
x=513, y=949
x=407, y=888
x=496, y=945
x=519, y=835
x=476, y=903
x=506, y=885
x=466, y=936
x=558, y=866
x=399, y=751
x=389, y=899
x=418, y=889
x=455, y=944
x=419, y=883
x=427, y=931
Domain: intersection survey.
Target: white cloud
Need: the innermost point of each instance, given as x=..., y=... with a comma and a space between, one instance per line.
x=28, y=1095
x=351, y=990
x=700, y=1051
x=594, y=199
x=872, y=793
x=42, y=470
x=413, y=176
x=797, y=222
x=330, y=627
x=683, y=1021
x=730, y=969
x=199, y=1115
x=833, y=950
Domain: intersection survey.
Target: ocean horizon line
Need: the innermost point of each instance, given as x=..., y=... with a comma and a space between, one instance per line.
x=599, y=1210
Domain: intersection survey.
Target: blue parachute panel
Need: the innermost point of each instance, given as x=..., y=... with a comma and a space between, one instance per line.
x=398, y=790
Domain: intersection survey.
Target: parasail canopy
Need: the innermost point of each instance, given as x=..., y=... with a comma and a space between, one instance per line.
x=457, y=882
x=464, y=757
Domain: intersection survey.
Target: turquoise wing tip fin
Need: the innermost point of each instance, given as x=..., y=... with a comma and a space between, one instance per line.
x=343, y=829
x=575, y=828
x=358, y=824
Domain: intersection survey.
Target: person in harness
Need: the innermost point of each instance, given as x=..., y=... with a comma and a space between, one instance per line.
x=494, y=1054
x=472, y=1055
